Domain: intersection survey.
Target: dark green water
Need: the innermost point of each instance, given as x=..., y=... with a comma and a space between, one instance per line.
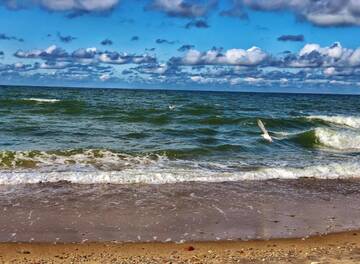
x=120, y=136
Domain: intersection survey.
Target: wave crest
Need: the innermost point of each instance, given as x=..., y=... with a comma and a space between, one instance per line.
x=76, y=159
x=41, y=100
x=343, y=140
x=155, y=174
x=350, y=121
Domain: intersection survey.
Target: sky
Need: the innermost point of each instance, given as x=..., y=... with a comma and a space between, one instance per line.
x=232, y=45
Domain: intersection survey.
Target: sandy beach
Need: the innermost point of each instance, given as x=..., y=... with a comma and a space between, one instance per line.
x=302, y=221
x=184, y=212
x=335, y=248
x=180, y=131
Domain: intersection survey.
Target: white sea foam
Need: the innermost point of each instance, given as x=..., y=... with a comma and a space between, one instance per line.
x=74, y=159
x=338, y=139
x=350, y=121
x=162, y=172
x=41, y=100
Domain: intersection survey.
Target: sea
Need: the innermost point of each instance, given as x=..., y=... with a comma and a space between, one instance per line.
x=117, y=136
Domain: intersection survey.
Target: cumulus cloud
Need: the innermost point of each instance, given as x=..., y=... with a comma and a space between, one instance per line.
x=237, y=10
x=182, y=8
x=250, y=57
x=165, y=41
x=153, y=68
x=52, y=52
x=319, y=12
x=124, y=58
x=16, y=67
x=186, y=47
x=104, y=77
x=313, y=64
x=298, y=38
x=7, y=37
x=106, y=42
x=51, y=65
x=85, y=55
x=65, y=39
x=313, y=55
x=63, y=5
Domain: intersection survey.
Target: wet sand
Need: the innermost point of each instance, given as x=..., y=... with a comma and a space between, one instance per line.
x=276, y=221
x=67, y=213
x=335, y=248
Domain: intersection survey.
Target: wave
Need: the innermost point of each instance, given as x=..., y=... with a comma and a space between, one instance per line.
x=350, y=121
x=343, y=140
x=41, y=100
x=158, y=173
x=100, y=159
x=74, y=159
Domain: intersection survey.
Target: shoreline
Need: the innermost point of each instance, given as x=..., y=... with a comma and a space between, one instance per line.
x=333, y=248
x=272, y=221
x=73, y=213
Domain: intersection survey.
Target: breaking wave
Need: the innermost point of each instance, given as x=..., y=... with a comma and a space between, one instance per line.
x=350, y=121
x=41, y=100
x=343, y=140
x=160, y=172
x=75, y=159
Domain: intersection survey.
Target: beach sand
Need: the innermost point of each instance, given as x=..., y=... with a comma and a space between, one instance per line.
x=249, y=210
x=334, y=248
x=300, y=221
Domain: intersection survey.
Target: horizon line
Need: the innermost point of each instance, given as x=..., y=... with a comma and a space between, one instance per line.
x=174, y=89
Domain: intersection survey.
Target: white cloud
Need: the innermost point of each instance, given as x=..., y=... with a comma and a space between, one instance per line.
x=182, y=8
x=330, y=71
x=240, y=57
x=65, y=5
x=250, y=56
x=208, y=80
x=106, y=58
x=104, y=77
x=51, y=52
x=354, y=59
x=313, y=55
x=55, y=65
x=319, y=12
x=253, y=80
x=335, y=51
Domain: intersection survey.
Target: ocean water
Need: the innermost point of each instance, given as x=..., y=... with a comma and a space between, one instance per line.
x=135, y=136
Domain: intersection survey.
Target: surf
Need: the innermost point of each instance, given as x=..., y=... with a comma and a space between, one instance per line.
x=349, y=121
x=166, y=173
x=41, y=100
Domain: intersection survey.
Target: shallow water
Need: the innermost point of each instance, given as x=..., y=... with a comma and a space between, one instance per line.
x=132, y=136
x=245, y=210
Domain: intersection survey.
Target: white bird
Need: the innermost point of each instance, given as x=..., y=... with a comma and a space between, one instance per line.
x=265, y=133
x=172, y=107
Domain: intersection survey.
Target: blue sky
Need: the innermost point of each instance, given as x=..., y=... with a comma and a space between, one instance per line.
x=292, y=45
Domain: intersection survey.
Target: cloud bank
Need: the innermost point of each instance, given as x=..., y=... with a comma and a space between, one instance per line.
x=63, y=5
x=182, y=8
x=313, y=65
x=319, y=12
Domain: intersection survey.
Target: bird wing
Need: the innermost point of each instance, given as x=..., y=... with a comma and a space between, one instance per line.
x=264, y=131
x=262, y=127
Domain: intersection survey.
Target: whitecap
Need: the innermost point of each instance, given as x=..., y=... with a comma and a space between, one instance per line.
x=350, y=121
x=41, y=100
